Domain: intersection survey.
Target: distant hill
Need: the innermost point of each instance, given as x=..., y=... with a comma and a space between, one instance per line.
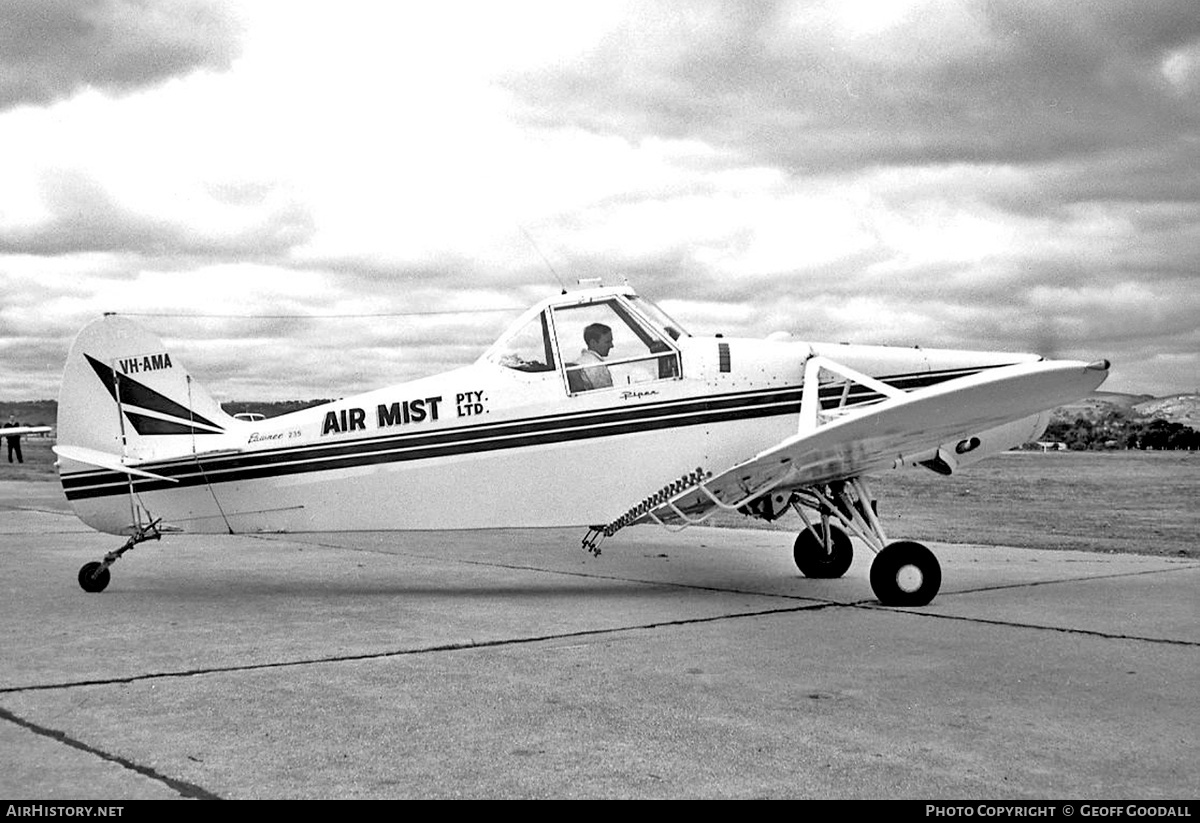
x=1102, y=401
x=270, y=408
x=1177, y=408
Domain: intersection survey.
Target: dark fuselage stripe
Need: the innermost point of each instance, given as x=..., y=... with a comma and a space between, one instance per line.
x=524, y=433
x=415, y=449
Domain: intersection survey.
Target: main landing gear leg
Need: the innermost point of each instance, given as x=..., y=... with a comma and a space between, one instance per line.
x=94, y=576
x=823, y=550
x=904, y=573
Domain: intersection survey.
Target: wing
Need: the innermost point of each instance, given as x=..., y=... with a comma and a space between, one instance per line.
x=882, y=436
x=9, y=431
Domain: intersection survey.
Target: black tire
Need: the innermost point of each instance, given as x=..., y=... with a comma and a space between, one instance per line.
x=905, y=574
x=812, y=559
x=91, y=580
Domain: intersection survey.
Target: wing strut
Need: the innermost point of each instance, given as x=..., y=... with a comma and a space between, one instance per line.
x=810, y=401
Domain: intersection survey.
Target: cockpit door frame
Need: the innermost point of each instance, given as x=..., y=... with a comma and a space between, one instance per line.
x=643, y=329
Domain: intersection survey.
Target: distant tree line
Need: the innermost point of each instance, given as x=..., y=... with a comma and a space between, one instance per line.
x=1114, y=430
x=269, y=408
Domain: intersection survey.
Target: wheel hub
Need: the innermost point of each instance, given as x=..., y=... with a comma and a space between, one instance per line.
x=909, y=578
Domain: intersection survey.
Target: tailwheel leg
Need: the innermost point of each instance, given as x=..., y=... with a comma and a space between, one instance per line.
x=94, y=576
x=905, y=574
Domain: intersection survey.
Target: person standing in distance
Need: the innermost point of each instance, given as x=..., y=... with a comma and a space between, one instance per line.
x=14, y=440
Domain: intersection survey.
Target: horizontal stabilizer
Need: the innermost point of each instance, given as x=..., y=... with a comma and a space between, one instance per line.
x=104, y=460
x=15, y=431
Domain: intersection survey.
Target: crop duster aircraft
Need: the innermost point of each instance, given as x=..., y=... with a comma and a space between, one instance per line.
x=594, y=409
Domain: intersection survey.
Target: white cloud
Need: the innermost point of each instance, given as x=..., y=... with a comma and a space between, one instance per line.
x=948, y=173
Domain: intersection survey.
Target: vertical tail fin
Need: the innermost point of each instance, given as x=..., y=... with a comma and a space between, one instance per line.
x=124, y=394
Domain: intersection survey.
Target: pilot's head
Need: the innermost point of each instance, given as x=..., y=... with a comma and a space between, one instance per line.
x=598, y=338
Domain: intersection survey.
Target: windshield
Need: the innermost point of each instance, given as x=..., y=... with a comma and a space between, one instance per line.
x=658, y=316
x=526, y=348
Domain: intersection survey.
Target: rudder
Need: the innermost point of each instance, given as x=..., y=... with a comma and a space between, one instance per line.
x=124, y=394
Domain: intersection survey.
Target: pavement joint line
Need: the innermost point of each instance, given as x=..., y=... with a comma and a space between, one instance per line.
x=586, y=575
x=817, y=603
x=471, y=645
x=186, y=790
x=1185, y=566
x=1185, y=562
x=40, y=534
x=37, y=510
x=1114, y=576
x=813, y=604
x=864, y=605
x=1166, y=641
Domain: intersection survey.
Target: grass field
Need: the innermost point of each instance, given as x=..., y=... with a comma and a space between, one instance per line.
x=1128, y=501
x=39, y=460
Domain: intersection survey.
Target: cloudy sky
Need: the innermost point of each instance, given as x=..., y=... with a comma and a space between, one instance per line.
x=309, y=199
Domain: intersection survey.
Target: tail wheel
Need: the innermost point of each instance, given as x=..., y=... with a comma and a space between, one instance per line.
x=812, y=558
x=93, y=577
x=905, y=574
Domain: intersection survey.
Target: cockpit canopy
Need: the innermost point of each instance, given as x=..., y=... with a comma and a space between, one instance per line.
x=596, y=339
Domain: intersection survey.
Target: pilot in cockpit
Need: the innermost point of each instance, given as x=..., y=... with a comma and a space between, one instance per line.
x=599, y=340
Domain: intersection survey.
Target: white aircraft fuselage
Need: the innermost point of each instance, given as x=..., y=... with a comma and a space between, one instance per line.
x=512, y=440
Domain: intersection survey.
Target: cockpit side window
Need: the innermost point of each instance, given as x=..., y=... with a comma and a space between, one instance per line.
x=603, y=345
x=529, y=349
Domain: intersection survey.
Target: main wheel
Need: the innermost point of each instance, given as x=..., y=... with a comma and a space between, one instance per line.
x=905, y=574
x=814, y=561
x=92, y=580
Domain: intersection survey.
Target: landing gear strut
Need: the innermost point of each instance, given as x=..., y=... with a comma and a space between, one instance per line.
x=94, y=576
x=903, y=573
